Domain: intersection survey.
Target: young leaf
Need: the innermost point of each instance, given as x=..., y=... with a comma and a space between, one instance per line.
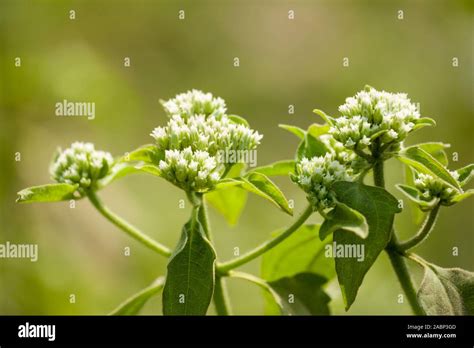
x=118, y=171
x=149, y=169
x=424, y=122
x=311, y=147
x=462, y=196
x=413, y=194
x=317, y=130
x=264, y=187
x=230, y=200
x=425, y=163
x=280, y=168
x=302, y=252
x=379, y=207
x=344, y=218
x=465, y=174
x=417, y=214
x=328, y=119
x=303, y=294
x=238, y=120
x=447, y=291
x=47, y=193
x=146, y=153
x=134, y=304
x=436, y=149
x=300, y=133
x=190, y=279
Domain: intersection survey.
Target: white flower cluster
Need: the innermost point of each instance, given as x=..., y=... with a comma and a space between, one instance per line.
x=195, y=102
x=194, y=170
x=370, y=112
x=197, y=131
x=316, y=175
x=81, y=164
x=431, y=187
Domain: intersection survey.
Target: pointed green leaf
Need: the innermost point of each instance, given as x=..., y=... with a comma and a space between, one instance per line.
x=311, y=147
x=47, y=193
x=118, y=171
x=324, y=116
x=436, y=149
x=447, y=291
x=379, y=207
x=149, y=169
x=280, y=168
x=134, y=304
x=238, y=120
x=190, y=280
x=462, y=196
x=417, y=214
x=413, y=194
x=425, y=163
x=146, y=153
x=316, y=130
x=303, y=294
x=230, y=200
x=465, y=174
x=344, y=218
x=302, y=252
x=300, y=133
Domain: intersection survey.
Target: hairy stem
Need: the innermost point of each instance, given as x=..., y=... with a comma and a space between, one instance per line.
x=397, y=260
x=423, y=232
x=131, y=230
x=221, y=297
x=264, y=247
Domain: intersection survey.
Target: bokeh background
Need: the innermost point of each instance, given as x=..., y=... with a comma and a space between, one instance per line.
x=282, y=62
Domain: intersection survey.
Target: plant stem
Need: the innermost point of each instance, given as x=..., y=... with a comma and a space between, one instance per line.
x=221, y=297
x=131, y=230
x=252, y=254
x=396, y=259
x=423, y=233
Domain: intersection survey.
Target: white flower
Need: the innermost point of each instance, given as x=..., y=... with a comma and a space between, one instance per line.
x=316, y=175
x=81, y=164
x=431, y=187
x=371, y=111
x=195, y=102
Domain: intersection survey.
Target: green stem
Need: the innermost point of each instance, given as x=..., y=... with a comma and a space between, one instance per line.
x=131, y=230
x=397, y=260
x=423, y=233
x=264, y=247
x=221, y=297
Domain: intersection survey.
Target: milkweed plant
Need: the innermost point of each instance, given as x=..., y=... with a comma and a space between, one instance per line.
x=202, y=150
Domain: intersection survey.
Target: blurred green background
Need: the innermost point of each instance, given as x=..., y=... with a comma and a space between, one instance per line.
x=282, y=62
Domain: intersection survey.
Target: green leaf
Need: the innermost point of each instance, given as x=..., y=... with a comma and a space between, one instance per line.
x=425, y=163
x=465, y=174
x=379, y=207
x=316, y=130
x=311, y=147
x=146, y=153
x=328, y=119
x=300, y=253
x=149, y=169
x=462, y=196
x=300, y=133
x=303, y=294
x=261, y=185
x=344, y=218
x=134, y=304
x=424, y=122
x=414, y=195
x=118, y=171
x=280, y=168
x=416, y=213
x=436, y=149
x=190, y=279
x=47, y=193
x=238, y=120
x=447, y=291
x=229, y=200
